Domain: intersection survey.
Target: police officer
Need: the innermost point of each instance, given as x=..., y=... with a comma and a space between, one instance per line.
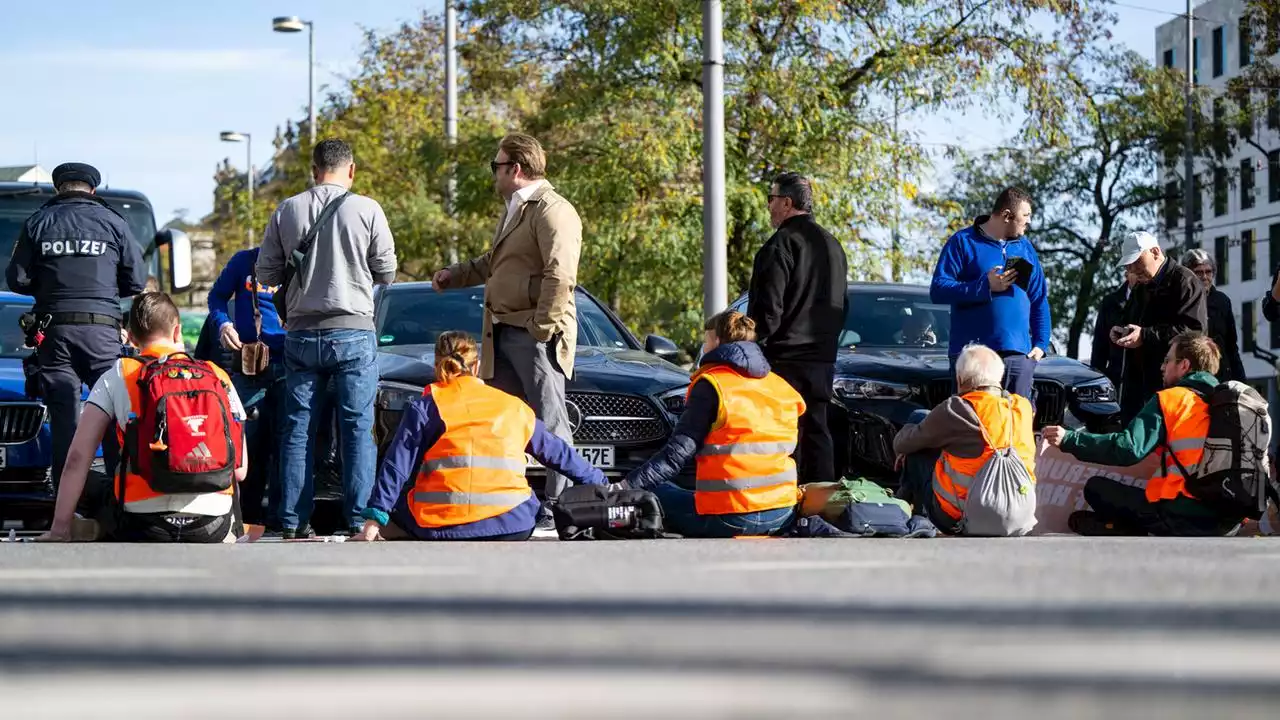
x=76, y=257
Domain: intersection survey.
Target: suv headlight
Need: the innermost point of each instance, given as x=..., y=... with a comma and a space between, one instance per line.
x=394, y=396
x=859, y=388
x=1096, y=391
x=673, y=400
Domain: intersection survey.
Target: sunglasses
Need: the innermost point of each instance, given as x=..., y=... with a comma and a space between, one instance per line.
x=494, y=165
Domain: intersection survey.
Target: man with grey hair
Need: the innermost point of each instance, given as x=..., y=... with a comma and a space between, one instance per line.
x=943, y=449
x=798, y=297
x=1222, y=319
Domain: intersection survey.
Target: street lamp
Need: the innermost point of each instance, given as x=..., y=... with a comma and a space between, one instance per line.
x=294, y=24
x=895, y=261
x=247, y=139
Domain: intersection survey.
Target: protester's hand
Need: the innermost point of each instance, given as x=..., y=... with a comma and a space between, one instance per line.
x=229, y=338
x=898, y=462
x=1054, y=434
x=1036, y=354
x=1132, y=337
x=440, y=281
x=371, y=532
x=58, y=532
x=1001, y=281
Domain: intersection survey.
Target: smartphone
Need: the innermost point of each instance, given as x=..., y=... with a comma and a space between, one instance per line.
x=1024, y=268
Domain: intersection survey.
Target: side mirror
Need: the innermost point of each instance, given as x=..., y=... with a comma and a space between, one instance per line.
x=662, y=347
x=179, y=258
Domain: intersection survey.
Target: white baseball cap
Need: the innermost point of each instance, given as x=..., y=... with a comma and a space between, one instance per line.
x=1135, y=244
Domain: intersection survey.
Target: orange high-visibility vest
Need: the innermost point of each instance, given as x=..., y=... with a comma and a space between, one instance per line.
x=476, y=469
x=952, y=475
x=136, y=487
x=744, y=464
x=1186, y=427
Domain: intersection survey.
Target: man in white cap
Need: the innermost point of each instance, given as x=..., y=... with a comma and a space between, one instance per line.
x=1169, y=301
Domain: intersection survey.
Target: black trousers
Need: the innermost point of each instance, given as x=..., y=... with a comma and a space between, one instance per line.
x=1126, y=507
x=70, y=355
x=815, y=455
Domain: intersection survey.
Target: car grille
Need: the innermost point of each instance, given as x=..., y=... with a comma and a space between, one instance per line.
x=608, y=418
x=1051, y=399
x=20, y=422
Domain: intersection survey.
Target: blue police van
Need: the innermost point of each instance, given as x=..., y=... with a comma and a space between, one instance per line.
x=25, y=449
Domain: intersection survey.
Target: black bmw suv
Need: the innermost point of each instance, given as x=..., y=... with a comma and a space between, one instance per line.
x=893, y=361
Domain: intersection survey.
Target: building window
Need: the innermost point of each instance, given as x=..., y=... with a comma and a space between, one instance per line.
x=1195, y=61
x=1273, y=111
x=1245, y=107
x=1220, y=191
x=1246, y=184
x=1248, y=328
x=1273, y=250
x=1245, y=40
x=1248, y=255
x=1220, y=260
x=1273, y=176
x=1169, y=58
x=1219, y=53
x=1197, y=199
x=1172, y=205
x=1220, y=145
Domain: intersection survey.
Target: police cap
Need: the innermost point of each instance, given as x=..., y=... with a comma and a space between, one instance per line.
x=76, y=172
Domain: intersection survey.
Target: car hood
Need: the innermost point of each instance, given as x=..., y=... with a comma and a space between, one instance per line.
x=595, y=369
x=916, y=365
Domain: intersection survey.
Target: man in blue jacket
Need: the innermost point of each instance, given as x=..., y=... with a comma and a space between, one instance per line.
x=991, y=304
x=265, y=391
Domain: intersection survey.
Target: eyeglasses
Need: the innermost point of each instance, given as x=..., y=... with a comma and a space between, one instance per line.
x=775, y=197
x=1204, y=273
x=494, y=165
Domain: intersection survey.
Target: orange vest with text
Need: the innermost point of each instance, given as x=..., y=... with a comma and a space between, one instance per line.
x=952, y=475
x=136, y=487
x=476, y=469
x=1186, y=427
x=745, y=462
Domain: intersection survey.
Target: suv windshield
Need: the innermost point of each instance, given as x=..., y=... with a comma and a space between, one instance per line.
x=16, y=208
x=418, y=317
x=895, y=318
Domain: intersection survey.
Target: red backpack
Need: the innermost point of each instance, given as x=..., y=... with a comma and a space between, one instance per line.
x=181, y=437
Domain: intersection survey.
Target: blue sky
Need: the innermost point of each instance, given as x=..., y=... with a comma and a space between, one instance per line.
x=141, y=89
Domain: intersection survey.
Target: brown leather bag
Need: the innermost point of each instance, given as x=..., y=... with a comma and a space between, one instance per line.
x=255, y=356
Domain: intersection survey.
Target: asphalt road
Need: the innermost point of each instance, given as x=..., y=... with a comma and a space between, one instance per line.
x=1056, y=627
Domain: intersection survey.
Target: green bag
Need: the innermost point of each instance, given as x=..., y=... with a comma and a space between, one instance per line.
x=859, y=490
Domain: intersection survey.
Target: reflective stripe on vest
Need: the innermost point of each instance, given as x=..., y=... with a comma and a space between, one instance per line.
x=744, y=464
x=952, y=474
x=137, y=491
x=475, y=470
x=1186, y=427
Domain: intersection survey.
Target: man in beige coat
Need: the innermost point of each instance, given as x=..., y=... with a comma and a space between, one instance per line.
x=529, y=275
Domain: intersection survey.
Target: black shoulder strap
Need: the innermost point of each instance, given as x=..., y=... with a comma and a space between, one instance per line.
x=300, y=253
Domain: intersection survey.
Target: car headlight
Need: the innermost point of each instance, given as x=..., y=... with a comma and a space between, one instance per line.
x=1096, y=391
x=859, y=388
x=673, y=400
x=394, y=396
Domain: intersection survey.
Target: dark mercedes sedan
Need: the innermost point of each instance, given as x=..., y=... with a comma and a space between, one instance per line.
x=893, y=361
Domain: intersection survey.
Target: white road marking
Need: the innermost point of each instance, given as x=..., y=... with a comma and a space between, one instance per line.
x=123, y=573
x=370, y=571
x=793, y=565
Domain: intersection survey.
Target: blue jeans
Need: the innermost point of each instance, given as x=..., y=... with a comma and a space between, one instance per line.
x=264, y=438
x=681, y=516
x=312, y=358
x=1019, y=374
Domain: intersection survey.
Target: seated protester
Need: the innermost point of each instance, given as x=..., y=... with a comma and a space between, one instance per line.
x=741, y=421
x=941, y=454
x=1175, y=418
x=140, y=513
x=455, y=469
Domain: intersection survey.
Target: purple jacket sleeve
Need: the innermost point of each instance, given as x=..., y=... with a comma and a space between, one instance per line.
x=685, y=441
x=419, y=429
x=558, y=455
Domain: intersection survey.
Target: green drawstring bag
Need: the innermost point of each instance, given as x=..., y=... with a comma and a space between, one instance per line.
x=841, y=494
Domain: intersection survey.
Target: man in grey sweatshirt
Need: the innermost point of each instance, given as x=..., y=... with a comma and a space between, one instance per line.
x=329, y=329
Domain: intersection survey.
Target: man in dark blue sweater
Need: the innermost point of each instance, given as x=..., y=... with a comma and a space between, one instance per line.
x=265, y=391
x=996, y=299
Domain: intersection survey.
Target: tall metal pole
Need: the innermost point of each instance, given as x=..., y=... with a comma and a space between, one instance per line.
x=715, y=281
x=1188, y=155
x=895, y=262
x=451, y=112
x=248, y=143
x=311, y=81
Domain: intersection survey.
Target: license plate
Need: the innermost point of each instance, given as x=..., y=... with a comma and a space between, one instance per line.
x=600, y=456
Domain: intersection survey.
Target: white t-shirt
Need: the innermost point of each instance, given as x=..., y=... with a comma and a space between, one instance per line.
x=111, y=396
x=519, y=198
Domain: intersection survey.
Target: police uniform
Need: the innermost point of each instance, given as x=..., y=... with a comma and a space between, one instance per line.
x=76, y=257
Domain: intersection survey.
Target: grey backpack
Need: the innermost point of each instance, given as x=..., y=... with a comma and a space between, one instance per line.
x=1002, y=496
